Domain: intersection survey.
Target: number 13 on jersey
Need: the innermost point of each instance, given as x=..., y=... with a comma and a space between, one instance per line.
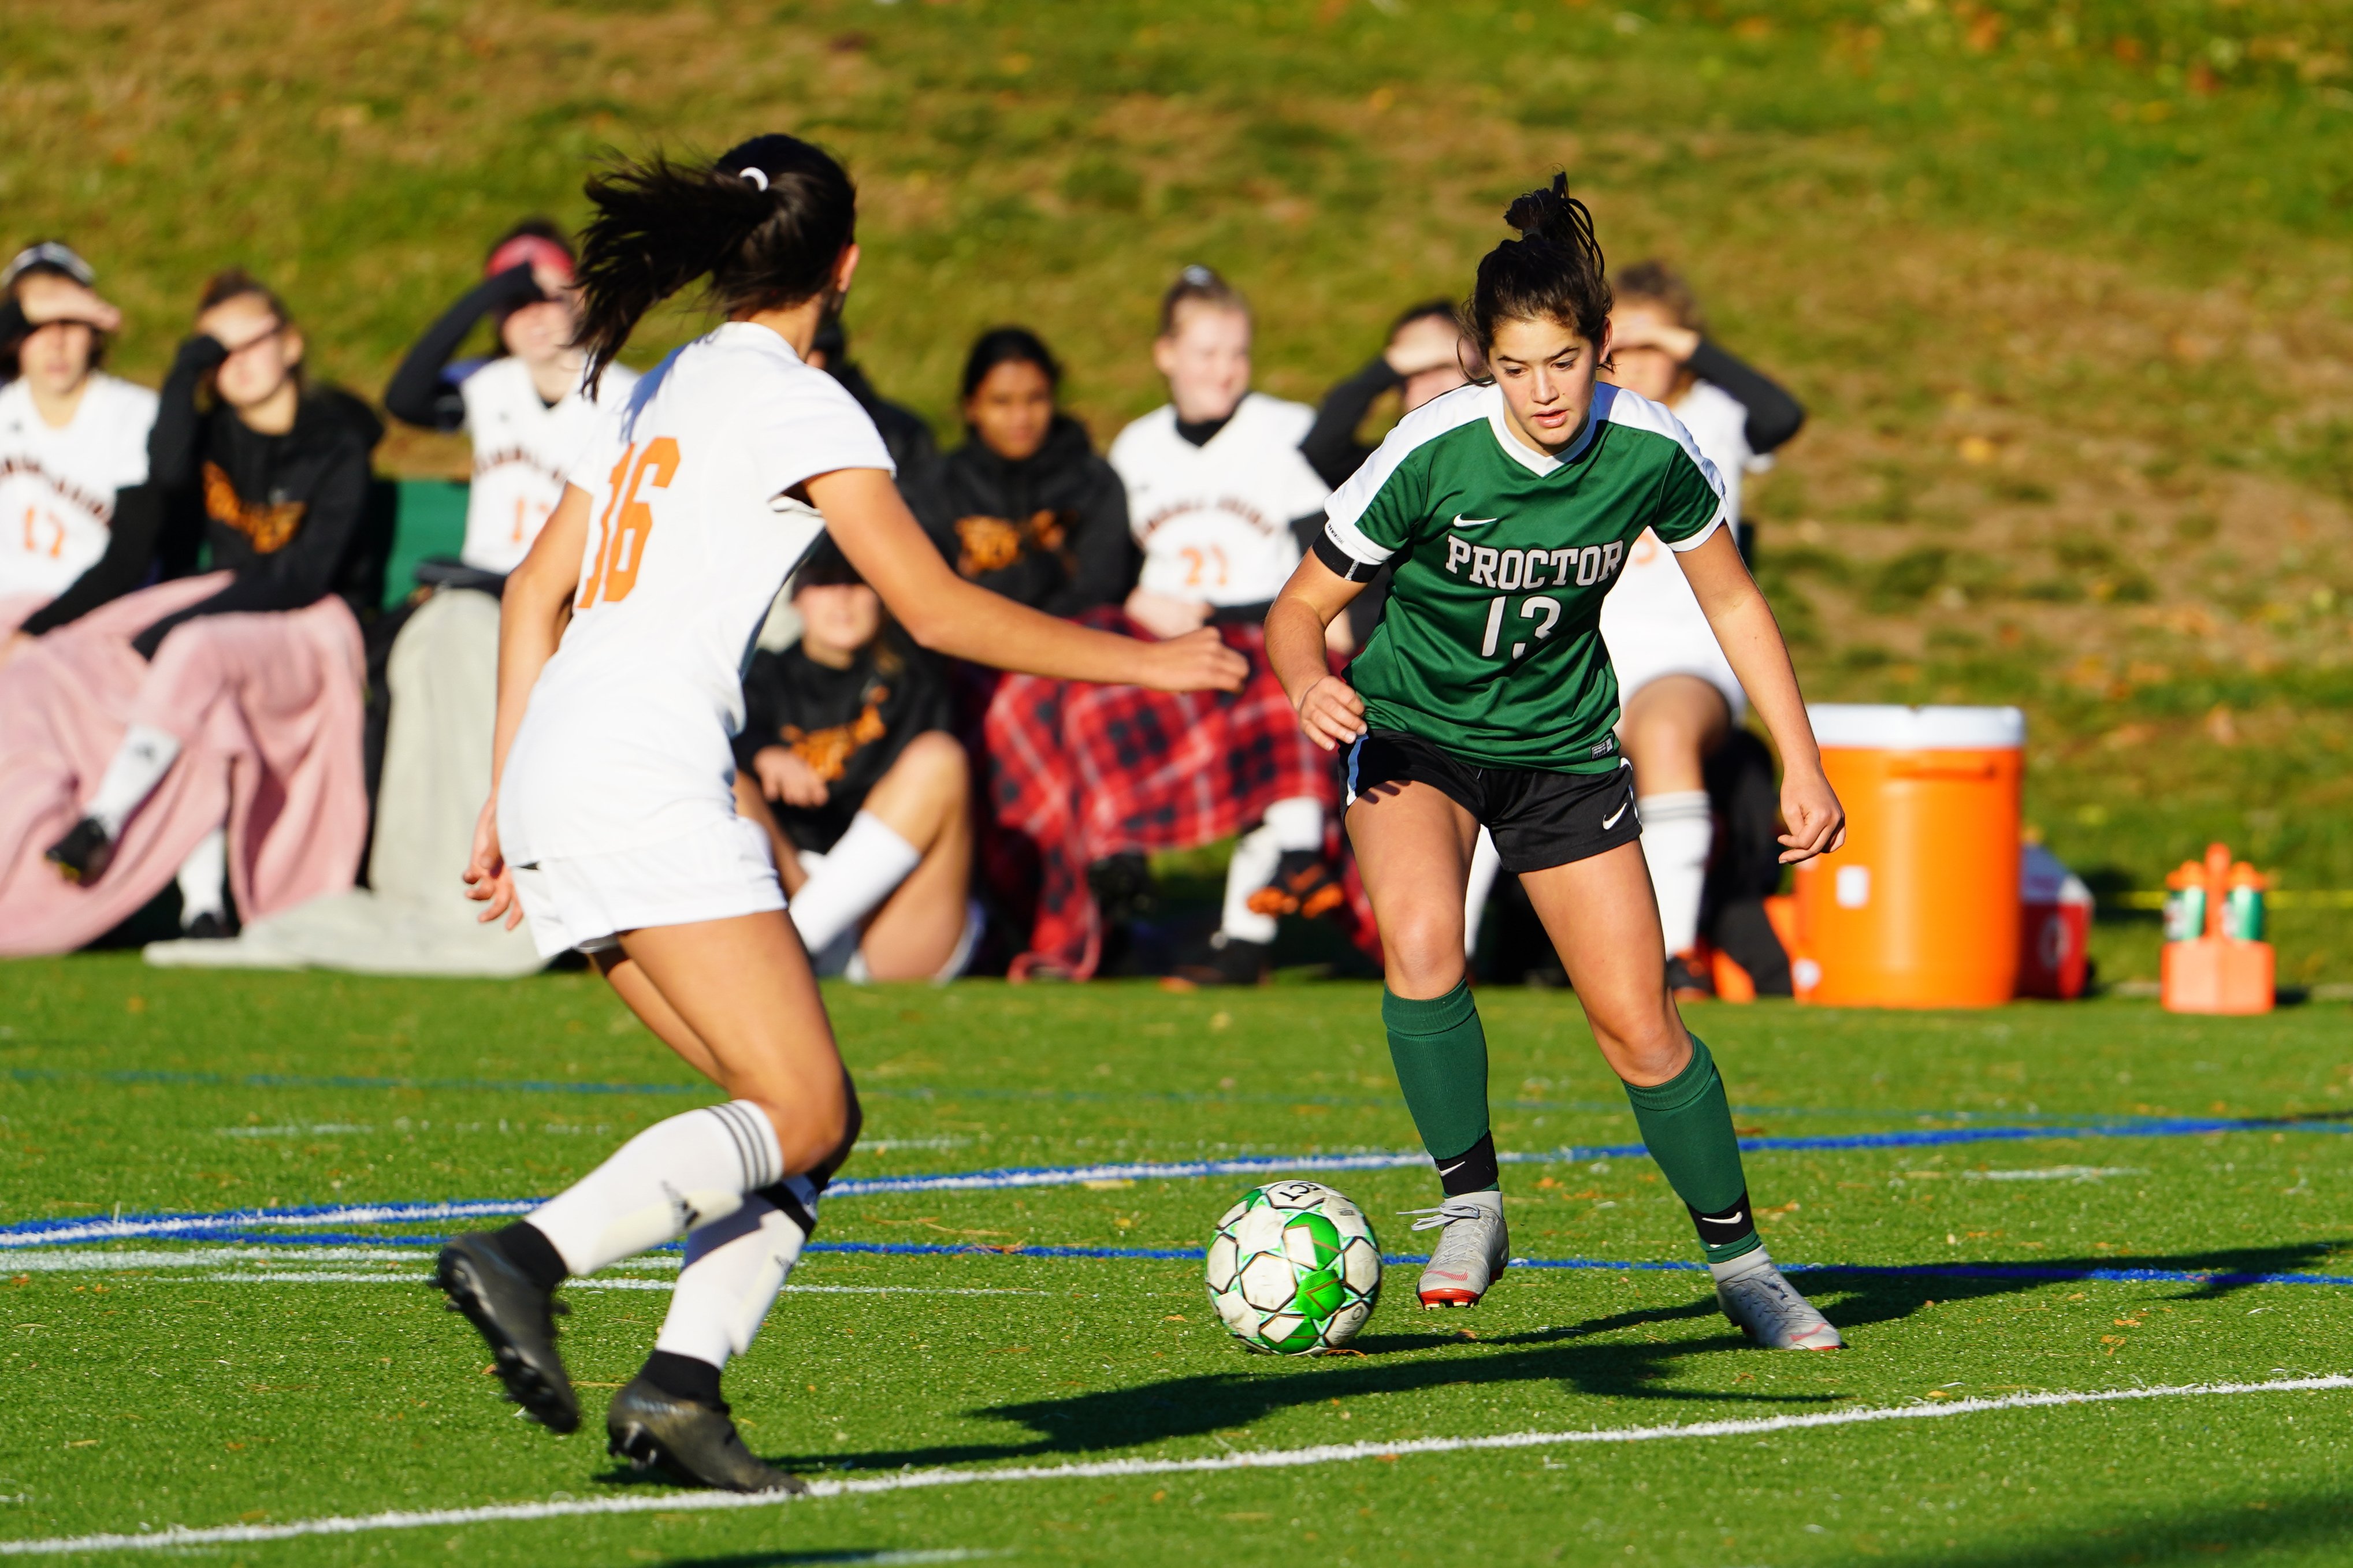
x=628, y=522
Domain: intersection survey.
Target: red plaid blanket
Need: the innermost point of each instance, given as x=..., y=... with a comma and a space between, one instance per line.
x=1081, y=772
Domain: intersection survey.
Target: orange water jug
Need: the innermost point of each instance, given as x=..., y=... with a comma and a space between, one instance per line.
x=1920, y=908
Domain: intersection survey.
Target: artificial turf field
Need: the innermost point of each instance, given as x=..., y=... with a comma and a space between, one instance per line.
x=2006, y=1204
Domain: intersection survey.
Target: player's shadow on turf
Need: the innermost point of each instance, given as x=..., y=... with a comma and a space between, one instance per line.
x=1855, y=1299
x=2191, y=1535
x=1217, y=1403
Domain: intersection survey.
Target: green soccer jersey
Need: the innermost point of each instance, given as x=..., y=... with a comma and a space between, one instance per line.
x=1491, y=643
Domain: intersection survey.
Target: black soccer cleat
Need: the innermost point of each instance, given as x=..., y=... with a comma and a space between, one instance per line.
x=206, y=927
x=1227, y=959
x=517, y=1318
x=85, y=852
x=696, y=1445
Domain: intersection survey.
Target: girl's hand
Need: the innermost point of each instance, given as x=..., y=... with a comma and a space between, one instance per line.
x=45, y=296
x=785, y=777
x=1332, y=713
x=1194, y=662
x=488, y=878
x=1162, y=616
x=1817, y=822
x=1644, y=329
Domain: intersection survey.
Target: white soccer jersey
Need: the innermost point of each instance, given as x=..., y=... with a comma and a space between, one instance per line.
x=523, y=450
x=56, y=487
x=1214, y=520
x=1651, y=620
x=625, y=743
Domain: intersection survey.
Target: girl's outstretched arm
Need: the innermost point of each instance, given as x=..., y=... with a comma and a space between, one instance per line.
x=880, y=537
x=533, y=612
x=1751, y=638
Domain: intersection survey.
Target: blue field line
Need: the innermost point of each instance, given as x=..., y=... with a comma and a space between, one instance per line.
x=76, y=1231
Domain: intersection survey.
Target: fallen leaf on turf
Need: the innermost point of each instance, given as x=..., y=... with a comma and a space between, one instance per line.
x=1176, y=1317
x=2128, y=1322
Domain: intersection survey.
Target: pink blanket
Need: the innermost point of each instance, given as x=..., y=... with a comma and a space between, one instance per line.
x=267, y=709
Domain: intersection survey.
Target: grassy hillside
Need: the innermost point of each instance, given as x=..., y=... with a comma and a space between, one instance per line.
x=2066, y=285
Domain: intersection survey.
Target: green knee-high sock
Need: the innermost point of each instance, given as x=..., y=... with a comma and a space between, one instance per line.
x=1440, y=1054
x=1687, y=1126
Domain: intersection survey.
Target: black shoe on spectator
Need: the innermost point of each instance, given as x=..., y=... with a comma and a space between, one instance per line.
x=1122, y=886
x=206, y=927
x=1229, y=960
x=1304, y=884
x=1688, y=984
x=84, y=853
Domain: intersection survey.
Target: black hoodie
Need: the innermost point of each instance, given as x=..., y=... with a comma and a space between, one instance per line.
x=288, y=515
x=1049, y=531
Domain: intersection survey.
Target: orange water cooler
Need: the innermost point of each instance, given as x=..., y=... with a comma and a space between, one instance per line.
x=1920, y=908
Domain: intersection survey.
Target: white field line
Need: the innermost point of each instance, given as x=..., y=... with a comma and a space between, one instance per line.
x=179, y=1536
x=213, y=1259
x=330, y=1277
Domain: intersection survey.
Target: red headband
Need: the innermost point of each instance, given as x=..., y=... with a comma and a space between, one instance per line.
x=536, y=250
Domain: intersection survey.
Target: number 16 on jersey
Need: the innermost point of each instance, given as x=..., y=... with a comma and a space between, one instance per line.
x=621, y=545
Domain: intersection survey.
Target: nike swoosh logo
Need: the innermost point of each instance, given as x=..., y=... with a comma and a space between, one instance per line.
x=1462, y=522
x=1611, y=821
x=1449, y=1169
x=1733, y=1218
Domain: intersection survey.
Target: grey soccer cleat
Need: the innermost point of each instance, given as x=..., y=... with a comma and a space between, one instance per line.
x=1768, y=1310
x=1473, y=1248
x=517, y=1321
x=696, y=1444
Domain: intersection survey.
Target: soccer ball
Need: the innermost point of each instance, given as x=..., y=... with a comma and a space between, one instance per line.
x=1294, y=1270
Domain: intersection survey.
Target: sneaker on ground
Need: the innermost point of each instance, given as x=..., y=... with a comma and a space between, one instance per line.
x=1304, y=884
x=1472, y=1249
x=1122, y=886
x=84, y=853
x=1768, y=1310
x=517, y=1319
x=1229, y=960
x=694, y=1443
x=1691, y=977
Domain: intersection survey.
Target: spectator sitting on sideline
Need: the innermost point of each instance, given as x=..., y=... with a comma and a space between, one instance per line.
x=72, y=438
x=1219, y=494
x=846, y=760
x=227, y=700
x=1024, y=506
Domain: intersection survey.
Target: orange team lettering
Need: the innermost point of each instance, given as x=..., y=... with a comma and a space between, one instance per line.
x=623, y=546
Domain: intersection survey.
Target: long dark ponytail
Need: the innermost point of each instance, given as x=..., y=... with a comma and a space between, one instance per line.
x=765, y=223
x=1553, y=272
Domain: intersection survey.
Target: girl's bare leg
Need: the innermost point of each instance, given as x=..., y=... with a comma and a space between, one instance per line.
x=741, y=988
x=1670, y=728
x=925, y=799
x=1604, y=923
x=1413, y=848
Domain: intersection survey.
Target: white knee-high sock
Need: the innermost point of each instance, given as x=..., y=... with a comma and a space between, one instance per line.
x=1485, y=866
x=1256, y=855
x=202, y=877
x=1678, y=831
x=672, y=1178
x=861, y=869
x=138, y=765
x=1297, y=823
x=734, y=1267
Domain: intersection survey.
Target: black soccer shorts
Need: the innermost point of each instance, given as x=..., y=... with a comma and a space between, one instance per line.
x=1538, y=819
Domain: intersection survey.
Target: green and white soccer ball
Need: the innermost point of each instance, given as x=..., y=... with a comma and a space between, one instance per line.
x=1294, y=1270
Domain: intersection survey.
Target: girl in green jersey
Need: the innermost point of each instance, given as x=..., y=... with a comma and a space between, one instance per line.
x=1485, y=699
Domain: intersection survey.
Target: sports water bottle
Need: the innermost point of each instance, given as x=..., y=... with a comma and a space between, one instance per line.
x=2185, y=902
x=2242, y=905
